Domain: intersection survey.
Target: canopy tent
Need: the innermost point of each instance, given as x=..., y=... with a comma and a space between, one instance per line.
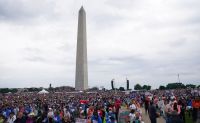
x=43, y=91
x=8, y=93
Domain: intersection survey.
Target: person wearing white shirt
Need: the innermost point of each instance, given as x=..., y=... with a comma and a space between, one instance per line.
x=161, y=106
x=11, y=118
x=132, y=116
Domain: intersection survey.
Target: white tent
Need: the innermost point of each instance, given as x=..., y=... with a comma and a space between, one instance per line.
x=43, y=91
x=9, y=93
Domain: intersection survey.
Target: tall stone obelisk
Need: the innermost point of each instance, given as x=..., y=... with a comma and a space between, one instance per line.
x=81, y=80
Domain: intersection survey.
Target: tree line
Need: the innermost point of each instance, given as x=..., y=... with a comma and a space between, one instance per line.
x=136, y=87
x=14, y=90
x=177, y=86
x=140, y=87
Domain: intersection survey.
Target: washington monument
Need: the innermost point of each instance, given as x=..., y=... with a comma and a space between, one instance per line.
x=81, y=80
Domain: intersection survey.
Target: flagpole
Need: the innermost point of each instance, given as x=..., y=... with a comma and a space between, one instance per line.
x=178, y=78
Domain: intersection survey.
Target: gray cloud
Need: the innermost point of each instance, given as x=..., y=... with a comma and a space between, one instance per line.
x=178, y=43
x=33, y=55
x=21, y=10
x=35, y=59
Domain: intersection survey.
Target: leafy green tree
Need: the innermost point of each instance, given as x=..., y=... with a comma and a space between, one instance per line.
x=33, y=89
x=137, y=87
x=162, y=87
x=4, y=90
x=14, y=90
x=190, y=86
x=175, y=85
x=146, y=87
x=121, y=89
x=94, y=89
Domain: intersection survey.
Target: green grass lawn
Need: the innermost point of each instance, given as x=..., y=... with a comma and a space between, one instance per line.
x=187, y=118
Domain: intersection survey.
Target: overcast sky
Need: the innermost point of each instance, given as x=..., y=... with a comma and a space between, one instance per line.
x=147, y=41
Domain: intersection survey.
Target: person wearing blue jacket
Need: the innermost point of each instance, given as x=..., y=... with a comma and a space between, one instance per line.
x=57, y=118
x=95, y=117
x=110, y=116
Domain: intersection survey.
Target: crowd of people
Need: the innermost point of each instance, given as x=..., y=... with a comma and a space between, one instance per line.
x=99, y=106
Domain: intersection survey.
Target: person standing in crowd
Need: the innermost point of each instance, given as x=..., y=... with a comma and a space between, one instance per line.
x=152, y=113
x=11, y=118
x=57, y=118
x=182, y=108
x=95, y=117
x=189, y=106
x=161, y=106
x=175, y=114
x=67, y=115
x=2, y=118
x=117, y=107
x=146, y=104
x=132, y=116
x=194, y=114
x=109, y=115
x=30, y=118
x=168, y=109
x=50, y=116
